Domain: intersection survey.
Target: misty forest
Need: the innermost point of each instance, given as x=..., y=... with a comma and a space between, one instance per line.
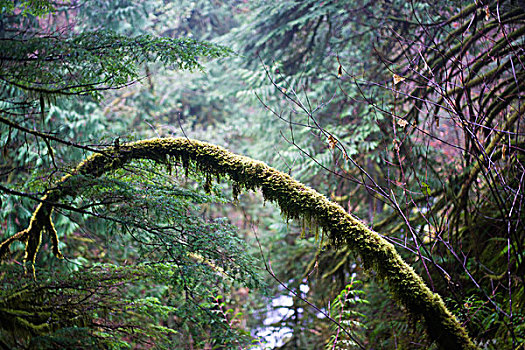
x=249, y=174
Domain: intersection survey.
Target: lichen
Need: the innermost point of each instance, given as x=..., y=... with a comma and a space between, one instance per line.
x=296, y=201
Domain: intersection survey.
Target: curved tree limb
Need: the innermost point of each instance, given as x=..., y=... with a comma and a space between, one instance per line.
x=296, y=200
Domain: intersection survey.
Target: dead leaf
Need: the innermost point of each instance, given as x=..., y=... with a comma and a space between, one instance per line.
x=332, y=142
x=402, y=122
x=398, y=79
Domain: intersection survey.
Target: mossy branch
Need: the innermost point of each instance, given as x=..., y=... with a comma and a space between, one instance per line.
x=295, y=200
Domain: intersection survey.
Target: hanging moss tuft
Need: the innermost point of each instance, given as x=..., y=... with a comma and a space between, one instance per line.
x=296, y=201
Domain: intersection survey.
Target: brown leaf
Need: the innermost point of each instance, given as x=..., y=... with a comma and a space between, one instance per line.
x=332, y=142
x=401, y=122
x=398, y=79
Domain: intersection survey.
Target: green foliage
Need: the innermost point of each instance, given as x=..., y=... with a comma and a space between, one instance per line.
x=177, y=259
x=431, y=158
x=92, y=61
x=27, y=7
x=87, y=304
x=110, y=306
x=343, y=311
x=147, y=240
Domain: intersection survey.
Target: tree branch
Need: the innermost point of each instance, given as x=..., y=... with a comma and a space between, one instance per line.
x=295, y=200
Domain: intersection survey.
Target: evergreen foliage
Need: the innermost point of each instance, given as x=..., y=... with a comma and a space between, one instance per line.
x=116, y=290
x=406, y=114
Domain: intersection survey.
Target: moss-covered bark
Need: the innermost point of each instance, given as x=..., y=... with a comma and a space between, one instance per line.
x=295, y=200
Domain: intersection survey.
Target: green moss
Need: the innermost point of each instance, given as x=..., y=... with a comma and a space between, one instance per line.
x=296, y=201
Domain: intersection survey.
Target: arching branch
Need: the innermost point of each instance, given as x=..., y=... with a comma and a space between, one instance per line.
x=295, y=200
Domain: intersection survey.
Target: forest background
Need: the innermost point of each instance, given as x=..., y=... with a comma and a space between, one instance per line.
x=407, y=114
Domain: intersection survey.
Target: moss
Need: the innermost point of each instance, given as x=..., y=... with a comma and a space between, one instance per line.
x=296, y=201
